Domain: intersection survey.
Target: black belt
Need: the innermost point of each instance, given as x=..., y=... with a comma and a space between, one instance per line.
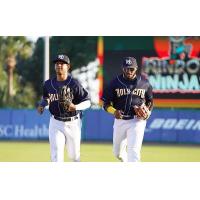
x=128, y=117
x=66, y=119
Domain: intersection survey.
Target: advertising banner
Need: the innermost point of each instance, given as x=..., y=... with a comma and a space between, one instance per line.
x=172, y=65
x=173, y=125
x=164, y=125
x=174, y=71
x=23, y=124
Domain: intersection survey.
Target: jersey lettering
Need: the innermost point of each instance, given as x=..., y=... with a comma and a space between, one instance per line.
x=53, y=97
x=125, y=94
x=139, y=92
x=122, y=92
x=51, y=89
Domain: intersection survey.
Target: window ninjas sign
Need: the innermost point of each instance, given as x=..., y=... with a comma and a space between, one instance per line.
x=172, y=64
x=181, y=76
x=175, y=72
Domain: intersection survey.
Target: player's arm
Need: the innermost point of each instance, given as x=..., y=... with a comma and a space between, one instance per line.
x=82, y=96
x=149, y=104
x=110, y=109
x=44, y=102
x=146, y=108
x=81, y=106
x=149, y=98
x=107, y=99
x=144, y=111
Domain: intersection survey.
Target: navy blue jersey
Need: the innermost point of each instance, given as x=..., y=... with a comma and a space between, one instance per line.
x=50, y=91
x=124, y=94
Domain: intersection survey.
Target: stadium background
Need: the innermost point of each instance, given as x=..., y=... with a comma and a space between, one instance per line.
x=172, y=132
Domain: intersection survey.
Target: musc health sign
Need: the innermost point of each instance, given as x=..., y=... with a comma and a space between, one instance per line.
x=164, y=125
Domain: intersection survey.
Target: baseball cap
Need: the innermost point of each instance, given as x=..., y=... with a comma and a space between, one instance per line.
x=62, y=58
x=129, y=62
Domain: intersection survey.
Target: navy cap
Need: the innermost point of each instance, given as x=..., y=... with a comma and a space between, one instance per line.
x=129, y=62
x=62, y=58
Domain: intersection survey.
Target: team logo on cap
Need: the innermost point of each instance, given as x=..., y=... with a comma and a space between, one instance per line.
x=61, y=56
x=128, y=62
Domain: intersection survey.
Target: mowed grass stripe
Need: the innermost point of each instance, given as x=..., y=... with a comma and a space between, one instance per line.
x=12, y=151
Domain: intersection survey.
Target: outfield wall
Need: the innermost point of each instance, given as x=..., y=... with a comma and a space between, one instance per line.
x=164, y=125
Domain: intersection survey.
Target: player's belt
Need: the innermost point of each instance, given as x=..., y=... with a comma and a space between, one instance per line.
x=66, y=119
x=128, y=117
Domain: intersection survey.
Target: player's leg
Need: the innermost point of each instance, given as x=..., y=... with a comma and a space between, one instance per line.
x=123, y=150
x=119, y=140
x=135, y=136
x=73, y=134
x=57, y=141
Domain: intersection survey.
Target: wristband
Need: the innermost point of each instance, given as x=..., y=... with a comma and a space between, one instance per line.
x=111, y=110
x=44, y=102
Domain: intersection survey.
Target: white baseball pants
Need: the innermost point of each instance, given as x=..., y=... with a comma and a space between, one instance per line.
x=127, y=139
x=64, y=134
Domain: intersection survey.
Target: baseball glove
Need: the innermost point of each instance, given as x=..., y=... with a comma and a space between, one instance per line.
x=65, y=97
x=142, y=112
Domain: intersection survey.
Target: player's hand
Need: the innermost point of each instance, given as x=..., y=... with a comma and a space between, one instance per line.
x=40, y=109
x=71, y=107
x=118, y=114
x=142, y=112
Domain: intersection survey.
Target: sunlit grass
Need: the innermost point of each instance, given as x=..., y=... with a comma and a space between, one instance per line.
x=12, y=151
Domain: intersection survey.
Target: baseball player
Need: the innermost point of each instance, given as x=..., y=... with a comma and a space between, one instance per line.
x=129, y=98
x=66, y=99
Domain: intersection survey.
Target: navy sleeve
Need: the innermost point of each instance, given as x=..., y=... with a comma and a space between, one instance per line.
x=149, y=93
x=107, y=96
x=80, y=93
x=45, y=92
x=44, y=102
x=149, y=97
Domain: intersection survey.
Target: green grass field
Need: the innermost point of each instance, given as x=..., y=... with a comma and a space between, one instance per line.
x=11, y=151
